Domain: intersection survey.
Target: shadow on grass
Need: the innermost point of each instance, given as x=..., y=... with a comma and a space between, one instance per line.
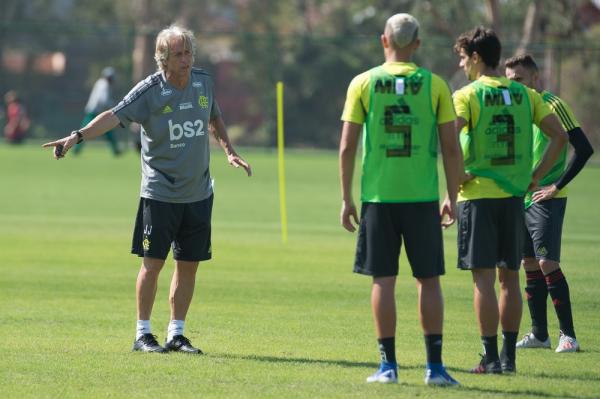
x=330, y=362
x=568, y=377
x=347, y=363
x=526, y=392
x=541, y=375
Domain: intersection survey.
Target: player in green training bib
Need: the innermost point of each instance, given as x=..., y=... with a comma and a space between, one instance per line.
x=402, y=111
x=494, y=117
x=499, y=146
x=544, y=214
x=398, y=139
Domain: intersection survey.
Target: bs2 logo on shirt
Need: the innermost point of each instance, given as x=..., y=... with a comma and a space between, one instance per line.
x=188, y=129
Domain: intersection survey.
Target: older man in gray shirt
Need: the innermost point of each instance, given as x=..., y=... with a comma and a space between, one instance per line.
x=176, y=108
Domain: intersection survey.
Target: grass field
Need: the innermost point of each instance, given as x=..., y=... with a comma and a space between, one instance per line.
x=275, y=320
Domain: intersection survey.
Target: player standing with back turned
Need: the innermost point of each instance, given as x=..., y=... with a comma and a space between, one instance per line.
x=404, y=110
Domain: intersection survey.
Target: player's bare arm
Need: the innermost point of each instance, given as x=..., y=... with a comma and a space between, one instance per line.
x=348, y=145
x=97, y=127
x=218, y=130
x=463, y=177
x=453, y=169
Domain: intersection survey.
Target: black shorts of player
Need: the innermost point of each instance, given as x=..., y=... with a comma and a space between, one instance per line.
x=544, y=221
x=184, y=227
x=490, y=233
x=383, y=227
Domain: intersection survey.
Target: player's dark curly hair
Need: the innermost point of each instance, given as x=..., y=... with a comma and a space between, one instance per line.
x=525, y=60
x=483, y=41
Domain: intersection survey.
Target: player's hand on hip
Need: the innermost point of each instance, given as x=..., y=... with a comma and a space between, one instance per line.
x=348, y=215
x=236, y=161
x=448, y=212
x=62, y=146
x=544, y=193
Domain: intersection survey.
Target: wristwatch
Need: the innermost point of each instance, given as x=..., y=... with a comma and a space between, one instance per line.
x=79, y=135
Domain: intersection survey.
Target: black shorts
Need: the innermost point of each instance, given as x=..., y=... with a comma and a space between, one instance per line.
x=383, y=227
x=544, y=221
x=490, y=233
x=185, y=227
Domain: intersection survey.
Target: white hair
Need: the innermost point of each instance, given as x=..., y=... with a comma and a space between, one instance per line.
x=161, y=54
x=403, y=29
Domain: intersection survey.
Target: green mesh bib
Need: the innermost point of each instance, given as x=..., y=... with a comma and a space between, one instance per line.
x=400, y=139
x=500, y=146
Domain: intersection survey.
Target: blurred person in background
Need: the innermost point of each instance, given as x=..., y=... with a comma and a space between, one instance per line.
x=176, y=109
x=101, y=99
x=544, y=215
x=17, y=121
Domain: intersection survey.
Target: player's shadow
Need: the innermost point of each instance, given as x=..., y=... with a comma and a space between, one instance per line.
x=301, y=360
x=525, y=392
x=543, y=375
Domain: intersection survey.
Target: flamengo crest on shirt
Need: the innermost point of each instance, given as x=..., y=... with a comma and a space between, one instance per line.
x=203, y=102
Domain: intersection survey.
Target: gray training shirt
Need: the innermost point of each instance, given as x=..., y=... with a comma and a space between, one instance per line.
x=175, y=151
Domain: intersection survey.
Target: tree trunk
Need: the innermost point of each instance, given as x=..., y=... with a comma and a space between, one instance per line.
x=493, y=15
x=143, y=51
x=530, y=26
x=143, y=60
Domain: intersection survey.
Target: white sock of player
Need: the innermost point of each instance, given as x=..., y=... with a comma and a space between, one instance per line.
x=143, y=327
x=175, y=328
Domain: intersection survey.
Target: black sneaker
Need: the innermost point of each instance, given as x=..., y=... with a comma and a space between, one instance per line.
x=508, y=366
x=147, y=343
x=179, y=343
x=487, y=367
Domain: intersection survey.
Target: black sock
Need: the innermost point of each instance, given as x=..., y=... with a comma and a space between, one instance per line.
x=559, y=292
x=490, y=345
x=387, y=349
x=509, y=342
x=433, y=346
x=536, y=291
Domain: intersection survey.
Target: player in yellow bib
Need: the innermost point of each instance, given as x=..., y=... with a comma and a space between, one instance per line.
x=544, y=214
x=494, y=117
x=402, y=110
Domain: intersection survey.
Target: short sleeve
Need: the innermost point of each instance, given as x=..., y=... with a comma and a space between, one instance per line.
x=354, y=108
x=441, y=93
x=539, y=109
x=134, y=106
x=564, y=113
x=461, y=104
x=215, y=111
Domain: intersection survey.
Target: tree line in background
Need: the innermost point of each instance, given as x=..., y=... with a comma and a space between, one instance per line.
x=314, y=46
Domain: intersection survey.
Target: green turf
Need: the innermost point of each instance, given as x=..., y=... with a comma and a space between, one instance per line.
x=275, y=320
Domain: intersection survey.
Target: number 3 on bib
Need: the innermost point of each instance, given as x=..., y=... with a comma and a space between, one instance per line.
x=507, y=137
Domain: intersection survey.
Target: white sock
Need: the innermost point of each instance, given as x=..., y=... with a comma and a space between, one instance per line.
x=175, y=328
x=143, y=327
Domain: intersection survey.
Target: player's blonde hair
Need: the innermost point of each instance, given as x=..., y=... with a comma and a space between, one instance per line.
x=161, y=54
